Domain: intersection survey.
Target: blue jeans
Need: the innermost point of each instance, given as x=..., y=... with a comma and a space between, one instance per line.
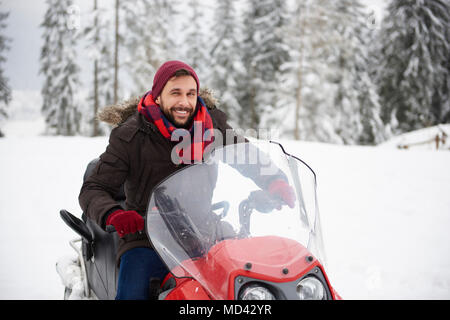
x=137, y=266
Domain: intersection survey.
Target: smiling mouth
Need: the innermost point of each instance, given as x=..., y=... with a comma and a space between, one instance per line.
x=182, y=112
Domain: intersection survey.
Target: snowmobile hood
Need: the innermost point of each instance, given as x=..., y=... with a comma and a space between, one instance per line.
x=119, y=113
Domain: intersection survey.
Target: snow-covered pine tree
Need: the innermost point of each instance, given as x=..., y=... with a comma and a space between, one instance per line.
x=226, y=65
x=306, y=86
x=263, y=53
x=99, y=37
x=5, y=90
x=327, y=91
x=148, y=39
x=357, y=109
x=286, y=116
x=413, y=66
x=59, y=67
x=373, y=129
x=117, y=41
x=196, y=42
x=440, y=106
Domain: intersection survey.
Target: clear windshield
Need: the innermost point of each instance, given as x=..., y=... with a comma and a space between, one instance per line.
x=194, y=210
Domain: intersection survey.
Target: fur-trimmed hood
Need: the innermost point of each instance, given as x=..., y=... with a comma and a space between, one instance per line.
x=117, y=114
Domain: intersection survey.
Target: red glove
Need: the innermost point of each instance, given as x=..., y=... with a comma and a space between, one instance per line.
x=125, y=222
x=282, y=189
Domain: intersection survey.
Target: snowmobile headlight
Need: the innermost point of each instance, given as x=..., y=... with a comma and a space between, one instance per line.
x=311, y=288
x=256, y=292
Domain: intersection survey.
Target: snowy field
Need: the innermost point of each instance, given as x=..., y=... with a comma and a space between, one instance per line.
x=385, y=214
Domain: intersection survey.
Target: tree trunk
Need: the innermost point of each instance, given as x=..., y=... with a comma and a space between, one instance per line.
x=116, y=55
x=95, y=127
x=299, y=101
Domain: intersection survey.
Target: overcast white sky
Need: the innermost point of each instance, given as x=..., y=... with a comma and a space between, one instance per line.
x=22, y=66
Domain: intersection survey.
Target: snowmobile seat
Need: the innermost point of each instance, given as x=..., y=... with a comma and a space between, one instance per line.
x=98, y=247
x=101, y=266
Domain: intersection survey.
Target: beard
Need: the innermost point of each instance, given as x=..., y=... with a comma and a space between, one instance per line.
x=168, y=112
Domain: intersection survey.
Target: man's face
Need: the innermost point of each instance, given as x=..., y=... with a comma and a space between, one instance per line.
x=178, y=100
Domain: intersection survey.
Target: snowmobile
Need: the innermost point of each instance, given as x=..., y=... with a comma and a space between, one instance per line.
x=219, y=233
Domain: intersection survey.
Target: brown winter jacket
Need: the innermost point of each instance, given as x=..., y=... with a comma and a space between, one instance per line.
x=137, y=156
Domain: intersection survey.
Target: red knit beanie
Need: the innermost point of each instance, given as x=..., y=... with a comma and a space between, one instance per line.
x=167, y=71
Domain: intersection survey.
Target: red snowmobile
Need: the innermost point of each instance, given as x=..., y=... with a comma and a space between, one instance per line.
x=221, y=234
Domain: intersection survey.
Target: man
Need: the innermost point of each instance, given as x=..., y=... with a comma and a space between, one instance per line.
x=139, y=156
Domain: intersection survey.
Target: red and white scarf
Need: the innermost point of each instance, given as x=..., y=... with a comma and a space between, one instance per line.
x=202, y=121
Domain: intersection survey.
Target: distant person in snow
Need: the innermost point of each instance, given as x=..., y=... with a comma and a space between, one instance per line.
x=139, y=156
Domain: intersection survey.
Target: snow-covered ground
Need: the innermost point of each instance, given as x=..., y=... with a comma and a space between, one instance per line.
x=385, y=213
